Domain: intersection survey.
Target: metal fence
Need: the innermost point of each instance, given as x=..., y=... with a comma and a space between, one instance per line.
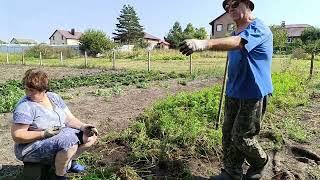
x=20, y=48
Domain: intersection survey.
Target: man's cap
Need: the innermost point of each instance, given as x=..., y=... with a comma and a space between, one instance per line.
x=251, y=5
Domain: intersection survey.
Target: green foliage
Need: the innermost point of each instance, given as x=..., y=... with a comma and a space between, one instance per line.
x=48, y=52
x=94, y=173
x=289, y=90
x=295, y=130
x=94, y=42
x=176, y=36
x=311, y=39
x=299, y=53
x=201, y=33
x=10, y=93
x=296, y=44
x=129, y=30
x=189, y=32
x=279, y=37
x=185, y=120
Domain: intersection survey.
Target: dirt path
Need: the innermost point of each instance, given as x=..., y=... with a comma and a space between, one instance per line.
x=115, y=114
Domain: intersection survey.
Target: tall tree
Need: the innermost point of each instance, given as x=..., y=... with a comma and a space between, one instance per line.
x=311, y=40
x=175, y=35
x=128, y=29
x=279, y=37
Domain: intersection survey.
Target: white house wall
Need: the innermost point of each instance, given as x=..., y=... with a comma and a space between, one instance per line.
x=72, y=42
x=57, y=39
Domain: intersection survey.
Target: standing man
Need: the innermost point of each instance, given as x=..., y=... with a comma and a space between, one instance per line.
x=250, y=50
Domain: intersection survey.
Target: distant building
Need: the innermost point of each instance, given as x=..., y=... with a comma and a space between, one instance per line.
x=154, y=41
x=62, y=37
x=294, y=30
x=23, y=41
x=2, y=42
x=163, y=44
x=222, y=26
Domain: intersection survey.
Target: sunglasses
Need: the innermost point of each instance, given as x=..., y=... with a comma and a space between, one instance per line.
x=234, y=4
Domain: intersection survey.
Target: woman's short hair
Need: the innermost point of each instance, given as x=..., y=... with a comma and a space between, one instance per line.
x=36, y=79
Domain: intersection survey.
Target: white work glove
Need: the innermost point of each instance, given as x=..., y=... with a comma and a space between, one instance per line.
x=89, y=130
x=51, y=132
x=189, y=46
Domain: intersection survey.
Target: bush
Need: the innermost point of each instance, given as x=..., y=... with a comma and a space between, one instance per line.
x=50, y=52
x=299, y=53
x=95, y=42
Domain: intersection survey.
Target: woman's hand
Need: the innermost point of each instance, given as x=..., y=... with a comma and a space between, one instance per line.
x=89, y=130
x=51, y=132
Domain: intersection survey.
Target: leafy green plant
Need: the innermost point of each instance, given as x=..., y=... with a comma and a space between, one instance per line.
x=184, y=120
x=295, y=130
x=289, y=90
x=10, y=93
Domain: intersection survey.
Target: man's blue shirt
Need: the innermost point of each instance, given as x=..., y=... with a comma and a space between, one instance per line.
x=249, y=73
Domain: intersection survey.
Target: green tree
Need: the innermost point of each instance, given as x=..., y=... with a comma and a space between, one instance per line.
x=94, y=42
x=279, y=37
x=175, y=35
x=201, y=33
x=311, y=41
x=128, y=29
x=189, y=32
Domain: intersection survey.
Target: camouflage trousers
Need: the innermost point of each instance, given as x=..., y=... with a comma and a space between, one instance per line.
x=241, y=125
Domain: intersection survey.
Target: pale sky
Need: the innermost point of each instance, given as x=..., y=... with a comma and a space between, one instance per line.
x=38, y=19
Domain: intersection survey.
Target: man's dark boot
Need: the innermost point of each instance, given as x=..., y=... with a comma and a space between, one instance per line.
x=256, y=173
x=223, y=176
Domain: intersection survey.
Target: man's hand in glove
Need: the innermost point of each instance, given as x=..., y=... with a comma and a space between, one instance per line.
x=51, y=132
x=89, y=130
x=189, y=46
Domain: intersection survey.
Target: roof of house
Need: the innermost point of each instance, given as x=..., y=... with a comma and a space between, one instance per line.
x=149, y=36
x=212, y=22
x=295, y=30
x=24, y=41
x=68, y=35
x=164, y=42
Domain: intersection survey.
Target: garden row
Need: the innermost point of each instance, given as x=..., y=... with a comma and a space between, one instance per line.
x=11, y=91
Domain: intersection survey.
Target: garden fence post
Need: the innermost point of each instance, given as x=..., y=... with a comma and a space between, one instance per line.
x=23, y=60
x=7, y=55
x=41, y=59
x=113, y=60
x=190, y=64
x=149, y=61
x=86, y=59
x=61, y=57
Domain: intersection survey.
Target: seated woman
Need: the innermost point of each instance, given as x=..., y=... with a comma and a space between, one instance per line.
x=44, y=129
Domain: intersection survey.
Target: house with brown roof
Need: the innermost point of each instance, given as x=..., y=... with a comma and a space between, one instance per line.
x=222, y=26
x=63, y=37
x=23, y=41
x=154, y=41
x=294, y=31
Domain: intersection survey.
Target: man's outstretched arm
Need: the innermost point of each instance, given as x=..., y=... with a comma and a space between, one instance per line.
x=189, y=46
